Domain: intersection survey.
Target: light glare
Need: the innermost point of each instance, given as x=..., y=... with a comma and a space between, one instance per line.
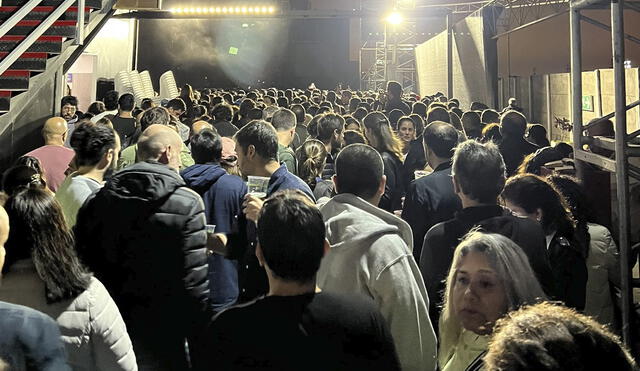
x=394, y=18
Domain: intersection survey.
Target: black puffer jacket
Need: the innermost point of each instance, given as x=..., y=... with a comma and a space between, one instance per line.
x=143, y=235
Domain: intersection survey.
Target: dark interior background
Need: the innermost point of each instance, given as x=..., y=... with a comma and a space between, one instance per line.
x=281, y=53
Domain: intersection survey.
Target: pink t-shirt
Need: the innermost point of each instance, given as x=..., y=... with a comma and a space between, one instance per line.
x=55, y=161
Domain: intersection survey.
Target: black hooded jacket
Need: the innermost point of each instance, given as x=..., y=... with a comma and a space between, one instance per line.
x=143, y=235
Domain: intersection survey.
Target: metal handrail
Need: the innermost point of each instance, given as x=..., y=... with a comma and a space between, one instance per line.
x=35, y=34
x=79, y=40
x=18, y=16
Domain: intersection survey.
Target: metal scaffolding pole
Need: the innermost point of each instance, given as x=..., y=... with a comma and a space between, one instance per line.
x=622, y=169
x=449, y=55
x=576, y=83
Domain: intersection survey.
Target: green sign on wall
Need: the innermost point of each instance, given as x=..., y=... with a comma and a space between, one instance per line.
x=587, y=103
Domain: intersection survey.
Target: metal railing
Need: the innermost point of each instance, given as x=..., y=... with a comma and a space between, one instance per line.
x=25, y=44
x=620, y=145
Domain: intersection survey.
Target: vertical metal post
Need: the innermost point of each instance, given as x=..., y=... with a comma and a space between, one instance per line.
x=622, y=176
x=450, y=55
x=576, y=84
x=547, y=88
x=530, y=100
x=79, y=40
x=386, y=51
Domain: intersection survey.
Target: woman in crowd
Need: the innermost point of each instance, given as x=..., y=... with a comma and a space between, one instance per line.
x=537, y=135
x=531, y=196
x=312, y=156
x=489, y=277
x=406, y=132
x=22, y=176
x=378, y=133
x=491, y=132
x=44, y=273
x=603, y=261
x=548, y=337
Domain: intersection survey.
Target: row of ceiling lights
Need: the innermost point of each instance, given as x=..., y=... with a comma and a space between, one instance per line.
x=225, y=10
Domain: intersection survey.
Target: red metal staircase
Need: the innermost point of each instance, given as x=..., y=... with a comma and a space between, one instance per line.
x=16, y=79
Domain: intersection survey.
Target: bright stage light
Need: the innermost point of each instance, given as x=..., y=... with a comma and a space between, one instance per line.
x=235, y=10
x=244, y=9
x=271, y=10
x=224, y=10
x=394, y=18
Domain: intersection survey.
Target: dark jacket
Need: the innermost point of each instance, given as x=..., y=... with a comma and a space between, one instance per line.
x=415, y=160
x=329, y=167
x=222, y=194
x=143, y=234
x=252, y=278
x=225, y=128
x=30, y=340
x=441, y=240
x=429, y=200
x=397, y=104
x=569, y=272
x=514, y=151
x=396, y=185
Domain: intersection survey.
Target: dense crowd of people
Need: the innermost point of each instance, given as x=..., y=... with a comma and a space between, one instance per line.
x=302, y=230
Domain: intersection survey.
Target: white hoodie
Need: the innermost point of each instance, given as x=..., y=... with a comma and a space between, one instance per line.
x=371, y=255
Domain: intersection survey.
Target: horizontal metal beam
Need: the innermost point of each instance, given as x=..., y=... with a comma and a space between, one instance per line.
x=289, y=14
x=592, y=158
x=581, y=4
x=610, y=144
x=607, y=28
x=609, y=116
x=530, y=24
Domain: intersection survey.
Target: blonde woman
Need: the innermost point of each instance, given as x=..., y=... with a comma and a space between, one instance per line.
x=489, y=277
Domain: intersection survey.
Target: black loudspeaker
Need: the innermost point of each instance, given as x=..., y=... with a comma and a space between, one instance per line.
x=299, y=4
x=103, y=86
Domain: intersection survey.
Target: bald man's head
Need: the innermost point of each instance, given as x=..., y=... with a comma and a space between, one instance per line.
x=54, y=131
x=160, y=143
x=200, y=125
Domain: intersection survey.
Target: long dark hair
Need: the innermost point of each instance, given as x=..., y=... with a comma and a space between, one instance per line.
x=386, y=140
x=574, y=193
x=38, y=230
x=532, y=192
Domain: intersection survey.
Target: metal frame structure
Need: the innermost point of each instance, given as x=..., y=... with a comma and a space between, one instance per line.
x=620, y=145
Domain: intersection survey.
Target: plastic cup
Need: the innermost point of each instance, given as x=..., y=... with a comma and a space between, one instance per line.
x=258, y=185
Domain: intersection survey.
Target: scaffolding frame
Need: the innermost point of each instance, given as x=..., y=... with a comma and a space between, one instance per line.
x=620, y=145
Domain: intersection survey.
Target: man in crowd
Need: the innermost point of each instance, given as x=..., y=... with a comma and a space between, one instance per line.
x=371, y=255
x=222, y=194
x=110, y=101
x=513, y=146
x=315, y=331
x=222, y=116
x=97, y=149
x=54, y=156
x=28, y=339
x=431, y=199
x=153, y=116
x=284, y=121
x=257, y=149
x=478, y=179
x=302, y=133
x=331, y=134
x=149, y=249
x=394, y=98
x=124, y=123
x=68, y=111
x=177, y=108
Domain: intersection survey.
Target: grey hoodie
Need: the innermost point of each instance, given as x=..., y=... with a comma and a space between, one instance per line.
x=371, y=255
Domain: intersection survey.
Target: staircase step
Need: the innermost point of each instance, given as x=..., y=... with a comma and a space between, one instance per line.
x=28, y=61
x=15, y=80
x=44, y=44
x=59, y=28
x=93, y=4
x=42, y=12
x=5, y=99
